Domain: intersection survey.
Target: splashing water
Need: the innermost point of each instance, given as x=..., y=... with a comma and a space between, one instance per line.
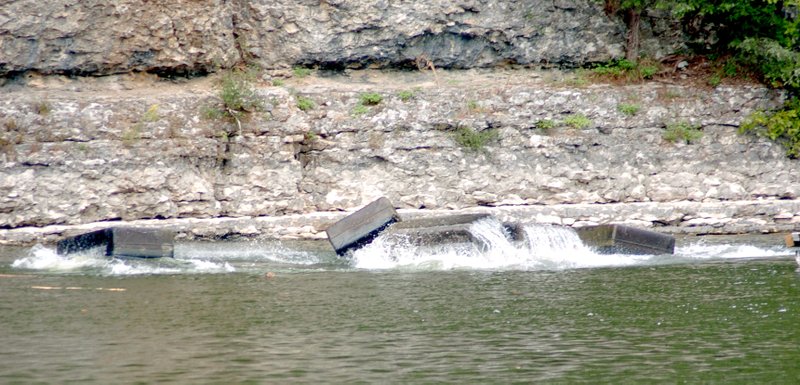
x=540, y=247
x=544, y=247
x=94, y=261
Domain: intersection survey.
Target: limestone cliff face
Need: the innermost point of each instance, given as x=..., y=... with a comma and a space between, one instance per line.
x=100, y=37
x=77, y=151
x=128, y=145
x=96, y=37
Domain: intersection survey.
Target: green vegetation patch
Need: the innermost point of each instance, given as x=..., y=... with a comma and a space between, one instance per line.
x=473, y=140
x=370, y=99
x=238, y=99
x=629, y=109
x=545, y=124
x=782, y=126
x=626, y=71
x=359, y=110
x=405, y=95
x=305, y=104
x=577, y=121
x=682, y=131
x=301, y=72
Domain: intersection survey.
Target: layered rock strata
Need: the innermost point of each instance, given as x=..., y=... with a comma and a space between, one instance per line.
x=178, y=37
x=126, y=148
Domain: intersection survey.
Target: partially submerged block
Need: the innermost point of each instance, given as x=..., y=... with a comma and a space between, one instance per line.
x=123, y=241
x=793, y=240
x=437, y=230
x=620, y=239
x=362, y=226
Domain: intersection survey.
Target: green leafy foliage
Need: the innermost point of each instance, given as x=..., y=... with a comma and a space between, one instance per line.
x=626, y=70
x=682, y=131
x=359, y=110
x=405, y=95
x=629, y=109
x=301, y=72
x=737, y=20
x=370, y=98
x=545, y=124
x=305, y=104
x=782, y=126
x=777, y=65
x=238, y=94
x=474, y=140
x=577, y=121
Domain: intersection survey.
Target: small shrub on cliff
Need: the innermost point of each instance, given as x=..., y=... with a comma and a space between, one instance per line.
x=629, y=109
x=577, y=121
x=238, y=94
x=305, y=104
x=626, y=71
x=359, y=110
x=405, y=95
x=301, y=72
x=682, y=131
x=782, y=126
x=474, y=140
x=238, y=99
x=370, y=99
x=545, y=124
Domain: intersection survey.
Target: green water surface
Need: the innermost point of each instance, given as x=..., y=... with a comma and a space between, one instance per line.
x=712, y=322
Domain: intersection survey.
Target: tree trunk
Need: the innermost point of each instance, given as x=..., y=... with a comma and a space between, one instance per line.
x=632, y=41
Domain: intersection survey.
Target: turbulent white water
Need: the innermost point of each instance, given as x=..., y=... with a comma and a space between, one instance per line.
x=546, y=248
x=209, y=258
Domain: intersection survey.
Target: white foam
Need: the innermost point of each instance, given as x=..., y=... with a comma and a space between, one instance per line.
x=547, y=247
x=42, y=258
x=48, y=260
x=701, y=250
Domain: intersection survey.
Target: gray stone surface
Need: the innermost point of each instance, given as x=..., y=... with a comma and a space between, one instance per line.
x=97, y=37
x=129, y=147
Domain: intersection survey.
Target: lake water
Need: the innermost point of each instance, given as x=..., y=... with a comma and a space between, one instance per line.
x=721, y=310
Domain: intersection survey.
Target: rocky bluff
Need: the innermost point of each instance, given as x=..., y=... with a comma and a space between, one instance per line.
x=132, y=146
x=100, y=37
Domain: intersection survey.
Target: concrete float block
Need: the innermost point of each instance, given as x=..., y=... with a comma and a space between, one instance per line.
x=620, y=239
x=122, y=242
x=361, y=227
x=793, y=240
x=437, y=230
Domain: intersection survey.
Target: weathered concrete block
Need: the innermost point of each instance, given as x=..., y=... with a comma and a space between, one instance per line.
x=613, y=239
x=362, y=226
x=123, y=242
x=793, y=240
x=437, y=230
